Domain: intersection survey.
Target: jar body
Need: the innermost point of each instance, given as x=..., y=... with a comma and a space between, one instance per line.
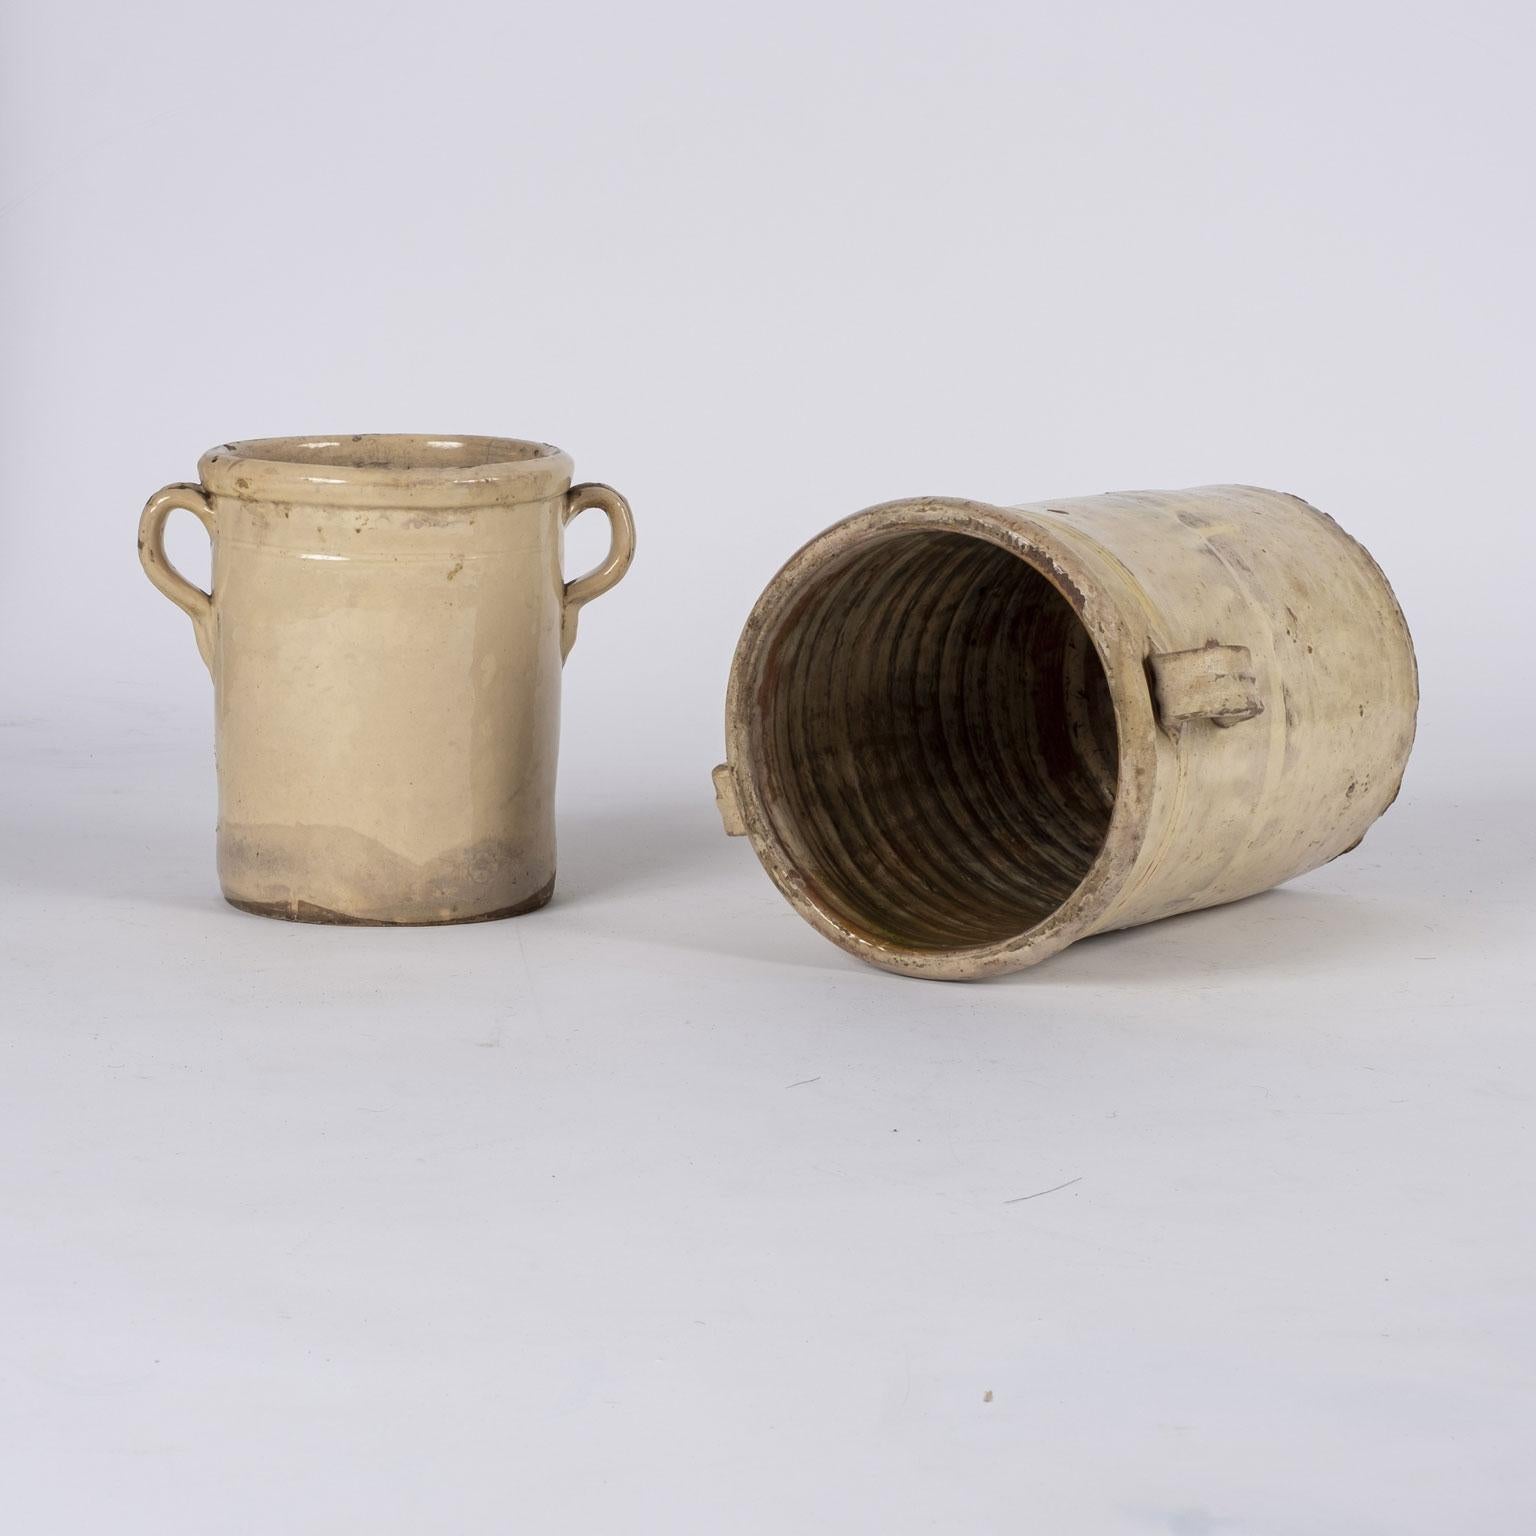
x=1245, y=806
x=387, y=687
x=1061, y=717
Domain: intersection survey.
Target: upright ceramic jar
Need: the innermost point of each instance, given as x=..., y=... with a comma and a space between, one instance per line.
x=961, y=736
x=385, y=632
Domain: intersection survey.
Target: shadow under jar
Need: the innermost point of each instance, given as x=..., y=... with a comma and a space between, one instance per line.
x=962, y=736
x=385, y=632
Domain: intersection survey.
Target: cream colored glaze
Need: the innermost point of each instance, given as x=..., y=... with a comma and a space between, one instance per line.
x=1247, y=717
x=385, y=635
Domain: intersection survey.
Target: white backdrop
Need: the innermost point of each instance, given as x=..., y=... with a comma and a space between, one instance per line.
x=522, y=1227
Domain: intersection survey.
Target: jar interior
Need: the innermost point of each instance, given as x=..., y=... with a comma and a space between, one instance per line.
x=936, y=742
x=390, y=451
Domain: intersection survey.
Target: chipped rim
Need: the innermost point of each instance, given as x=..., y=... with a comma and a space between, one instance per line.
x=314, y=470
x=1066, y=562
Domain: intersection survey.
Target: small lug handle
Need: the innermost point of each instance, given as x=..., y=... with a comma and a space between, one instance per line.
x=1214, y=682
x=728, y=801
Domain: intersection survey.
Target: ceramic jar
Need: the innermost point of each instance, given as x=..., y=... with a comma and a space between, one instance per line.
x=385, y=632
x=961, y=736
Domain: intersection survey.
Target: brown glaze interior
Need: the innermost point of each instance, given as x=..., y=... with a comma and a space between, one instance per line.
x=937, y=743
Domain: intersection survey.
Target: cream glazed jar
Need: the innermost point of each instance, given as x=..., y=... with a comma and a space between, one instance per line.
x=962, y=736
x=385, y=632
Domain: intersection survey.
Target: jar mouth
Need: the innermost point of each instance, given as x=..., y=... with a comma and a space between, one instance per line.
x=937, y=739
x=386, y=469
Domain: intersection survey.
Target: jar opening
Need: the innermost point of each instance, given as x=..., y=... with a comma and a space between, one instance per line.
x=395, y=451
x=936, y=742
x=385, y=469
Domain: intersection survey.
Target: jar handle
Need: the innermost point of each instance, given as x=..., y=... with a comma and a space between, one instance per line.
x=193, y=601
x=1213, y=682
x=728, y=801
x=621, y=550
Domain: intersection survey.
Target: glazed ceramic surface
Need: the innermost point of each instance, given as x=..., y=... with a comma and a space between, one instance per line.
x=961, y=736
x=385, y=634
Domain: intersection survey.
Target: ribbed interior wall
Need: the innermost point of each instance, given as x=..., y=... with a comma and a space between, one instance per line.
x=936, y=742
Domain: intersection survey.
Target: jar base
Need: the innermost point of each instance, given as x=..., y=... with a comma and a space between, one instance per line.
x=299, y=911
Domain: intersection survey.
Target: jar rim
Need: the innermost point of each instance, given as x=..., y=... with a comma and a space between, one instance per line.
x=1068, y=565
x=394, y=469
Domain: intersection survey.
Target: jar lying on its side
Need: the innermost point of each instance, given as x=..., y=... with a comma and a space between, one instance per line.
x=961, y=736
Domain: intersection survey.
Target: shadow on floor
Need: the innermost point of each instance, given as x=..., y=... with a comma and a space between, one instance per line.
x=1442, y=875
x=1435, y=880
